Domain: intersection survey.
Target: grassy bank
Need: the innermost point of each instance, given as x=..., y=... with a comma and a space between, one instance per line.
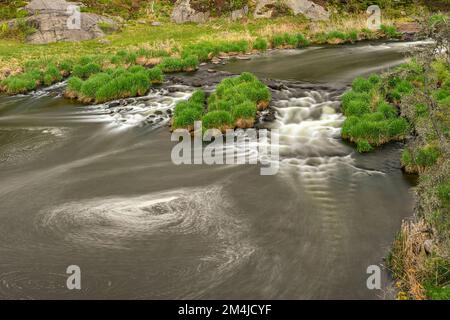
x=174, y=48
x=412, y=103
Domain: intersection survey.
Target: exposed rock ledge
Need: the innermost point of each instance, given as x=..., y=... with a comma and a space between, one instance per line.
x=51, y=19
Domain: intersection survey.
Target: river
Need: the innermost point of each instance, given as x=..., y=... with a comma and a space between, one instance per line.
x=94, y=186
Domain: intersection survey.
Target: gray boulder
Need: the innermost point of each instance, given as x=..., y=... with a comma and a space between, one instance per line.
x=48, y=6
x=239, y=13
x=57, y=20
x=183, y=12
x=311, y=10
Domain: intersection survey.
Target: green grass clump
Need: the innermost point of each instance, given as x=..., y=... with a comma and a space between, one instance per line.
x=389, y=31
x=73, y=88
x=113, y=84
x=362, y=85
x=84, y=71
x=198, y=96
x=363, y=146
x=92, y=85
x=418, y=159
x=186, y=118
x=187, y=112
x=387, y=110
x=246, y=86
x=218, y=120
x=20, y=84
x=443, y=192
x=170, y=64
x=233, y=104
x=372, y=121
x=427, y=156
x=260, y=44
x=289, y=40
x=124, y=86
x=155, y=75
x=245, y=110
x=51, y=75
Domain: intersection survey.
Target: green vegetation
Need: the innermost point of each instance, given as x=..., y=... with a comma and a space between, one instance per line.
x=287, y=40
x=234, y=104
x=113, y=84
x=419, y=256
x=389, y=31
x=221, y=120
x=260, y=44
x=187, y=64
x=371, y=119
x=19, y=30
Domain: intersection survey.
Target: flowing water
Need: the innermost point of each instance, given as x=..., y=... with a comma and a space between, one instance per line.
x=95, y=186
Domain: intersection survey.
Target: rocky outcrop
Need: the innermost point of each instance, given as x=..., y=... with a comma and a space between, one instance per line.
x=311, y=10
x=239, y=13
x=59, y=20
x=183, y=12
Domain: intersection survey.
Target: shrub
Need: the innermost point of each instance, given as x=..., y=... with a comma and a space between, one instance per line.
x=217, y=119
x=260, y=44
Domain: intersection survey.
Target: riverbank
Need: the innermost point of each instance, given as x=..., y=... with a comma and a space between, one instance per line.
x=150, y=45
x=412, y=103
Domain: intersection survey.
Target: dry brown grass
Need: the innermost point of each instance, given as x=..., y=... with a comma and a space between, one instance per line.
x=291, y=28
x=408, y=259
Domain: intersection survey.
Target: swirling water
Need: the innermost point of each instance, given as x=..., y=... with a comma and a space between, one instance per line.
x=94, y=186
